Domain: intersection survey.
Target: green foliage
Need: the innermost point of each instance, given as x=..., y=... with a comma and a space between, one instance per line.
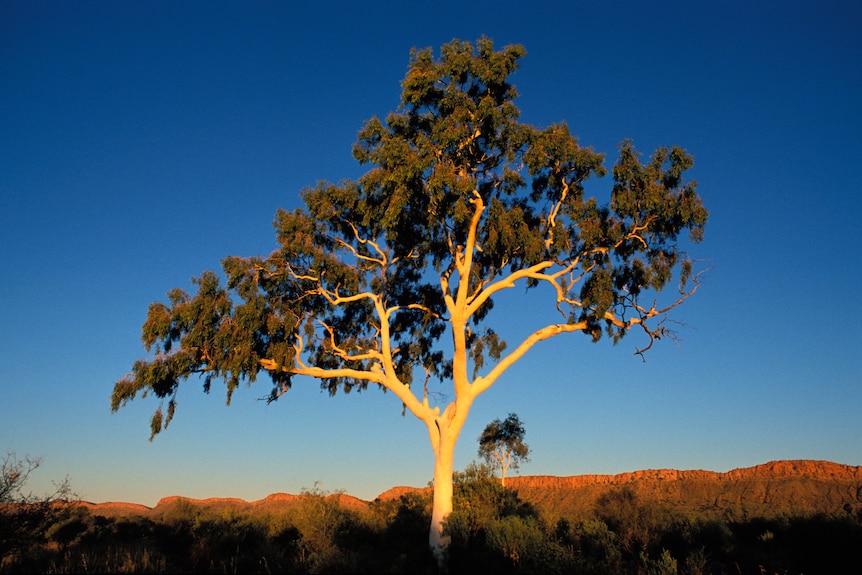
x=460, y=200
x=324, y=528
x=68, y=530
x=599, y=547
x=522, y=542
x=502, y=444
x=664, y=564
x=492, y=529
x=405, y=530
x=478, y=499
x=638, y=525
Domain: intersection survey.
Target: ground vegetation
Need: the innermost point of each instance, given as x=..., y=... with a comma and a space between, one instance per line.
x=492, y=529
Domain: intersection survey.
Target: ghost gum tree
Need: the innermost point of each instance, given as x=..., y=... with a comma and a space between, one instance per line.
x=390, y=280
x=502, y=445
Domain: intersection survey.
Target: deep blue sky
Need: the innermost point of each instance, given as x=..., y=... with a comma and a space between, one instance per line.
x=142, y=142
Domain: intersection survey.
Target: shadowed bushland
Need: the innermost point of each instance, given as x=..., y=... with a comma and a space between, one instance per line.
x=492, y=529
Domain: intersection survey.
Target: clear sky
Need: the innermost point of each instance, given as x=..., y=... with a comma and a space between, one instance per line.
x=142, y=142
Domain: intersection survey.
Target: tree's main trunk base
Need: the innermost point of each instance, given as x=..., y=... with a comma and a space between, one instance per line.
x=439, y=549
x=441, y=505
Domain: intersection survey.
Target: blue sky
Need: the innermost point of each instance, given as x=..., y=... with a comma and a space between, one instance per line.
x=142, y=142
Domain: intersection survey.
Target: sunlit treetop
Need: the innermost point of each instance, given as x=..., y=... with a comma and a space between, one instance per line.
x=460, y=201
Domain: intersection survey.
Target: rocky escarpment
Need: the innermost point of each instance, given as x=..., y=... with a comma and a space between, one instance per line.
x=797, y=469
x=274, y=502
x=788, y=485
x=798, y=486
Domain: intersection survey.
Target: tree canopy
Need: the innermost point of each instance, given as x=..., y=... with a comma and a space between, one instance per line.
x=502, y=444
x=460, y=202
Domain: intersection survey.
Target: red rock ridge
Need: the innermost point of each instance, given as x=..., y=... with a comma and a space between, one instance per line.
x=172, y=499
x=396, y=492
x=111, y=508
x=813, y=469
x=276, y=498
x=773, y=469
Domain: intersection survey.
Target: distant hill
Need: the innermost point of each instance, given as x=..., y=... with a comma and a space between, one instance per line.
x=271, y=503
x=797, y=486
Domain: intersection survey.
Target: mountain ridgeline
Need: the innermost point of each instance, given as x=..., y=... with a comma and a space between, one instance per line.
x=798, y=486
x=789, y=486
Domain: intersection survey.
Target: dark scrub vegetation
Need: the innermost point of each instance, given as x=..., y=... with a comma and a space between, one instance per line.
x=492, y=530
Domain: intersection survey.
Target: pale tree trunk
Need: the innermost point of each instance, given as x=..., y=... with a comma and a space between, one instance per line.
x=442, y=502
x=503, y=460
x=444, y=431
